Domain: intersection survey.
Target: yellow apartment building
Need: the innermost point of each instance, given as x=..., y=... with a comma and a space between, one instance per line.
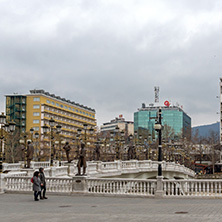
x=34, y=110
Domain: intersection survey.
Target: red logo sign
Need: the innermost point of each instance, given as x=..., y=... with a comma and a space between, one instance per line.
x=167, y=103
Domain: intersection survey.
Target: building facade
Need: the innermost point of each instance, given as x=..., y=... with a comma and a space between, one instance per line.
x=16, y=110
x=220, y=110
x=174, y=117
x=34, y=110
x=121, y=123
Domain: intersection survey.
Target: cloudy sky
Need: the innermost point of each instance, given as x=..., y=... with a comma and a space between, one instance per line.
x=109, y=54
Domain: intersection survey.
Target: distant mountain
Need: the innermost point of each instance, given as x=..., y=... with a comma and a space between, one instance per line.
x=204, y=130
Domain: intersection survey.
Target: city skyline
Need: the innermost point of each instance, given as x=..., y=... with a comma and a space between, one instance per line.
x=110, y=55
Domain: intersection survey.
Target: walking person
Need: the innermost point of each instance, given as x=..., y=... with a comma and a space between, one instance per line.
x=36, y=185
x=43, y=183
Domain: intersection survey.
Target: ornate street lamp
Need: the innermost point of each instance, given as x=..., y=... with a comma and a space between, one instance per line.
x=158, y=127
x=2, y=122
x=12, y=126
x=91, y=131
x=45, y=131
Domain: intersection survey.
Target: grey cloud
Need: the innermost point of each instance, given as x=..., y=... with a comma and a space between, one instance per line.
x=99, y=55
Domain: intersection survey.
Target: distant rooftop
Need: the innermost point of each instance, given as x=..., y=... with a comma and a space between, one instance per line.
x=153, y=108
x=41, y=91
x=119, y=119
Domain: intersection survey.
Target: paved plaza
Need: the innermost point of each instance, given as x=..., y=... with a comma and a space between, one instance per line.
x=21, y=207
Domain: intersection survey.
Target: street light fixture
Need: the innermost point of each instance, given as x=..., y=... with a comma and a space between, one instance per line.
x=91, y=131
x=158, y=127
x=12, y=126
x=2, y=122
x=45, y=131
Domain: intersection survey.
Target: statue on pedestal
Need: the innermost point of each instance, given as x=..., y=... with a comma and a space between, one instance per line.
x=67, y=148
x=97, y=152
x=82, y=160
x=29, y=153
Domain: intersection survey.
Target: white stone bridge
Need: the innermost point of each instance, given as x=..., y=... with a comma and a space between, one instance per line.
x=145, y=169
x=137, y=178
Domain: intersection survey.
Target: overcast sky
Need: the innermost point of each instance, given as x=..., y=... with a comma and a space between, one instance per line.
x=110, y=54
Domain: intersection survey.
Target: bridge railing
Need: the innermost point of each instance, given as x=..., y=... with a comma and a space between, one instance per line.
x=192, y=188
x=92, y=186
x=122, y=187
x=135, y=187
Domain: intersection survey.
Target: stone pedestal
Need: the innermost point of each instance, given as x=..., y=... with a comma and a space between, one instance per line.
x=80, y=184
x=159, y=188
x=2, y=183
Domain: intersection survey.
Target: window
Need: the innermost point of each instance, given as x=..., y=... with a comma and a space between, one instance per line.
x=53, y=103
x=36, y=114
x=48, y=101
x=83, y=113
x=73, y=110
x=77, y=111
x=80, y=111
x=69, y=108
x=61, y=106
x=36, y=121
x=36, y=128
x=57, y=104
x=36, y=106
x=65, y=107
x=36, y=99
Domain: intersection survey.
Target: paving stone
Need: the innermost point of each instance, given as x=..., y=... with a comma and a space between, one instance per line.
x=21, y=207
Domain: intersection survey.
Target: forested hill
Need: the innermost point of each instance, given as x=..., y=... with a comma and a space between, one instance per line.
x=204, y=130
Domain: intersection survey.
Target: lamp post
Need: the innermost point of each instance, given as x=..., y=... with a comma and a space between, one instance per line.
x=91, y=131
x=75, y=142
x=9, y=128
x=118, y=139
x=158, y=127
x=2, y=122
x=105, y=145
x=135, y=144
x=51, y=128
x=149, y=145
x=37, y=151
x=60, y=142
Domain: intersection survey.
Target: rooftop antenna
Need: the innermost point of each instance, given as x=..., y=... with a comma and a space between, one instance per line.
x=156, y=90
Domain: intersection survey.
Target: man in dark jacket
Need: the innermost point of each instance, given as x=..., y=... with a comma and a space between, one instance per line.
x=43, y=183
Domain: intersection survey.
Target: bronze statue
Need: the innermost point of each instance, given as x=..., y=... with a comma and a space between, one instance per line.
x=130, y=152
x=82, y=160
x=67, y=148
x=97, y=152
x=29, y=154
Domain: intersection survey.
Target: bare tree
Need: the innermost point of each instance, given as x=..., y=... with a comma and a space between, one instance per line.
x=168, y=133
x=13, y=151
x=213, y=148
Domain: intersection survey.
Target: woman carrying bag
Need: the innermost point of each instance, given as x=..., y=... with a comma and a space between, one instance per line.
x=36, y=185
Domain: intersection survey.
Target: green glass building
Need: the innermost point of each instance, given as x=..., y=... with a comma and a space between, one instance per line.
x=173, y=117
